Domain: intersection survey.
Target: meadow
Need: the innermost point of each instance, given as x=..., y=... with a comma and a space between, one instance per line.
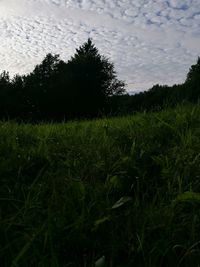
x=113, y=192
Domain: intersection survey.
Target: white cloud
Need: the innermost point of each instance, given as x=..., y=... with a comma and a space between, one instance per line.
x=149, y=41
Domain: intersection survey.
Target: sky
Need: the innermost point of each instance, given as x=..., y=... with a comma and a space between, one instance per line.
x=149, y=41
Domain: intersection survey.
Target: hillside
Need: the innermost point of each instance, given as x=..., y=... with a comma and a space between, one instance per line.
x=124, y=188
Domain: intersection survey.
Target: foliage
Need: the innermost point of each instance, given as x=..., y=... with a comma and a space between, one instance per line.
x=194, y=73
x=58, y=90
x=93, y=79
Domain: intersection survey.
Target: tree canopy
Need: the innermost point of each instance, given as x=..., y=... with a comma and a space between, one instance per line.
x=193, y=75
x=93, y=78
x=57, y=90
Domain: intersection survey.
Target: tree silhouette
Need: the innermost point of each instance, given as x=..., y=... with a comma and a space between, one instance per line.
x=194, y=73
x=192, y=83
x=93, y=79
x=79, y=88
x=5, y=96
x=40, y=88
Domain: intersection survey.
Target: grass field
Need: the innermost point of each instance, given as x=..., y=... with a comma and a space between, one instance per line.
x=114, y=192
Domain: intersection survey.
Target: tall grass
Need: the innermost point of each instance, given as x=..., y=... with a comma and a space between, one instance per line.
x=119, y=192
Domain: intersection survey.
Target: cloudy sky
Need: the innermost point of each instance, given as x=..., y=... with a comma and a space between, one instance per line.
x=149, y=41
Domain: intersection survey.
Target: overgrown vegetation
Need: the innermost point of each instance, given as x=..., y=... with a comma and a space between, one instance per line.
x=116, y=192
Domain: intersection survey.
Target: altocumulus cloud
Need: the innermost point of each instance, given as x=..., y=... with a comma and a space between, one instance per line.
x=149, y=41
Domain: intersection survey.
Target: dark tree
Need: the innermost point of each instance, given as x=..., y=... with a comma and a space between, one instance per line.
x=93, y=80
x=40, y=88
x=194, y=73
x=5, y=95
x=79, y=88
x=192, y=83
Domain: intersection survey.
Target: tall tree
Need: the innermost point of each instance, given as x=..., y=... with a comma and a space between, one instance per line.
x=56, y=89
x=194, y=72
x=5, y=96
x=192, y=83
x=41, y=86
x=93, y=79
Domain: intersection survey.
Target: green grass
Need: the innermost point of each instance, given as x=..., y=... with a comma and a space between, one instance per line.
x=124, y=188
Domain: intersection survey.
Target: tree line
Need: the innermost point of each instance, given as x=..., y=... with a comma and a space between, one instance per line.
x=160, y=96
x=58, y=90
x=86, y=86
